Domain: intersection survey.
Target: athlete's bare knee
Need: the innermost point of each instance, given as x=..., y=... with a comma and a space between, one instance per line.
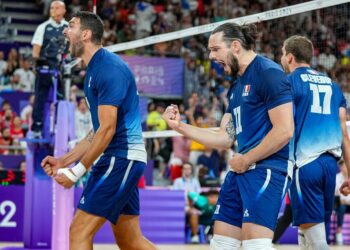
x=135, y=244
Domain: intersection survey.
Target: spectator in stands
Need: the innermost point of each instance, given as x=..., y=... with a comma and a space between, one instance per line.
x=74, y=7
x=83, y=123
x=5, y=140
x=188, y=183
x=49, y=46
x=181, y=148
x=22, y=166
x=3, y=67
x=5, y=105
x=327, y=59
x=342, y=203
x=8, y=118
x=17, y=134
x=26, y=113
x=16, y=130
x=196, y=149
x=155, y=121
x=12, y=61
x=23, y=78
x=144, y=18
x=206, y=217
x=212, y=160
x=109, y=36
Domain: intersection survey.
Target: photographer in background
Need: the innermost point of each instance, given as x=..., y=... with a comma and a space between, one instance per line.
x=49, y=46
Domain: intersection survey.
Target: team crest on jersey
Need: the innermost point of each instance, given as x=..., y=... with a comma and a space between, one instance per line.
x=246, y=90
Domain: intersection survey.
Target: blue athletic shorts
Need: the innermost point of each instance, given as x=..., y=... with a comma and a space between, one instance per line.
x=254, y=196
x=111, y=189
x=312, y=191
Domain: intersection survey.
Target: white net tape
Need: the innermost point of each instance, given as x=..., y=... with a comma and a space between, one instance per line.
x=262, y=16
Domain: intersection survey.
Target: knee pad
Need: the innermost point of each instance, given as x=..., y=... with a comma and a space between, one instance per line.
x=316, y=237
x=258, y=244
x=303, y=244
x=220, y=242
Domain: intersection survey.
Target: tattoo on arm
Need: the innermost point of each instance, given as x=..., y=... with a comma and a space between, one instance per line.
x=90, y=136
x=230, y=129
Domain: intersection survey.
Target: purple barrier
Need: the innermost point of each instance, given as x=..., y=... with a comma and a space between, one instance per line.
x=11, y=161
x=37, y=200
x=156, y=76
x=290, y=236
x=12, y=212
x=162, y=217
x=346, y=229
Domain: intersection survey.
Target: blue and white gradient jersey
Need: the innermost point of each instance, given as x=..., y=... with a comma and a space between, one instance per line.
x=317, y=101
x=262, y=87
x=109, y=81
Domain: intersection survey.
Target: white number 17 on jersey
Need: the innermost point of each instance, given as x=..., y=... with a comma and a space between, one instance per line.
x=316, y=104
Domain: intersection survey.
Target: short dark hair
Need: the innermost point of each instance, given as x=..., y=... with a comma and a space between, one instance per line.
x=300, y=47
x=93, y=22
x=246, y=34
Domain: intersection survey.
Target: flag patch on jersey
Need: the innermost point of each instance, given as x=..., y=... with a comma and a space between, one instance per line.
x=246, y=90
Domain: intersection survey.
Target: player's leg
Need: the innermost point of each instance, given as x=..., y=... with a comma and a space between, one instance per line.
x=228, y=216
x=83, y=229
x=262, y=192
x=128, y=235
x=127, y=232
x=315, y=233
x=311, y=205
x=112, y=188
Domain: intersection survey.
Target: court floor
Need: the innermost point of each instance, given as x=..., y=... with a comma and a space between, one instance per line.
x=183, y=247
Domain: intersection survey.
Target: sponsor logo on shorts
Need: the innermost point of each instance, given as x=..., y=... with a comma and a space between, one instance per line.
x=217, y=209
x=246, y=213
x=82, y=200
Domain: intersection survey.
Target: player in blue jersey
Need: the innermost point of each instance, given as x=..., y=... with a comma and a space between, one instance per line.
x=260, y=117
x=115, y=150
x=320, y=136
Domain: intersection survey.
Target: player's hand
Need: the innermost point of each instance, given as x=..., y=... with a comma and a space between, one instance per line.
x=172, y=116
x=238, y=163
x=63, y=180
x=345, y=187
x=50, y=165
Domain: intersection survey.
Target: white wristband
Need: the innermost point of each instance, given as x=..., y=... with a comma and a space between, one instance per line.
x=78, y=171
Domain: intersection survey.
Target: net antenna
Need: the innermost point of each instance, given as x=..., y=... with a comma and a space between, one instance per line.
x=94, y=7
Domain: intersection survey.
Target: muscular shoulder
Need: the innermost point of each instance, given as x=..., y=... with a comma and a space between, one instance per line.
x=111, y=66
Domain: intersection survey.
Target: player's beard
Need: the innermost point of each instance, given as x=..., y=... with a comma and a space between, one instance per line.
x=78, y=48
x=233, y=64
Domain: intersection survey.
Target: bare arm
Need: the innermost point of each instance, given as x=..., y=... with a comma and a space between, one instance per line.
x=345, y=187
x=36, y=51
x=107, y=116
x=282, y=131
x=78, y=151
x=222, y=138
x=346, y=140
